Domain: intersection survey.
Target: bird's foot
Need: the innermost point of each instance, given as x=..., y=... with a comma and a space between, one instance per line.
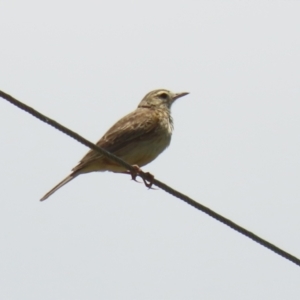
x=133, y=174
x=148, y=180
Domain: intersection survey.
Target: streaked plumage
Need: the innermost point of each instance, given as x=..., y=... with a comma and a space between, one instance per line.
x=138, y=138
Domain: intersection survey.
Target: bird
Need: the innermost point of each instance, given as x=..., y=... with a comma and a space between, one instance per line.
x=138, y=138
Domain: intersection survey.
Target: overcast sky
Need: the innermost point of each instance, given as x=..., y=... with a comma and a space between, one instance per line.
x=235, y=149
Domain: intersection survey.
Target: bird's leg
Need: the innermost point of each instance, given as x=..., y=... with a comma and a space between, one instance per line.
x=133, y=174
x=149, y=180
x=136, y=171
x=149, y=177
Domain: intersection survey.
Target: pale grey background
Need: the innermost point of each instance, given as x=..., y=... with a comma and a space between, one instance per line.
x=236, y=149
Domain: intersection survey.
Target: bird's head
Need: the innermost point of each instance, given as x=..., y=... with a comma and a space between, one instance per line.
x=160, y=99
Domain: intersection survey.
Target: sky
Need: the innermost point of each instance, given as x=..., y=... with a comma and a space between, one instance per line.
x=235, y=148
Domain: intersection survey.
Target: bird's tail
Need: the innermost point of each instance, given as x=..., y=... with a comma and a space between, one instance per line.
x=58, y=186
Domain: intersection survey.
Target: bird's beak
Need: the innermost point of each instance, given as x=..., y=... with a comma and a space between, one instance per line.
x=178, y=95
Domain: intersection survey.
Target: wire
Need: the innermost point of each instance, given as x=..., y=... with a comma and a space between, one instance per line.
x=145, y=176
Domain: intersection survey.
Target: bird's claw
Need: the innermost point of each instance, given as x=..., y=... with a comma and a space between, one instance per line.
x=148, y=180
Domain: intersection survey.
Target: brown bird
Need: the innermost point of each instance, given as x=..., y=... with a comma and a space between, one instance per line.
x=138, y=138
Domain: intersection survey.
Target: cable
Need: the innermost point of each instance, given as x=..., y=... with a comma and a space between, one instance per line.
x=156, y=182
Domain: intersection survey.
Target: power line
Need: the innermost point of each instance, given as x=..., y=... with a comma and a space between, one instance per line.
x=156, y=182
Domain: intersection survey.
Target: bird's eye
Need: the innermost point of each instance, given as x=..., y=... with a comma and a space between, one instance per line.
x=163, y=95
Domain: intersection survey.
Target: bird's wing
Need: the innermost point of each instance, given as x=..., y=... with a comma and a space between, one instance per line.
x=136, y=125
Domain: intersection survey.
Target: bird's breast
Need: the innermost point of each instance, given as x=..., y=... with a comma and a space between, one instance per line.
x=146, y=151
x=146, y=148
